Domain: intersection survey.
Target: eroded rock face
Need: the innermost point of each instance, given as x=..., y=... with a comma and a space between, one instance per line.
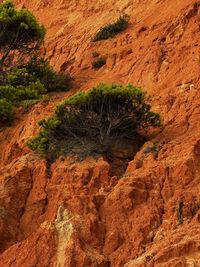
x=75, y=213
x=78, y=215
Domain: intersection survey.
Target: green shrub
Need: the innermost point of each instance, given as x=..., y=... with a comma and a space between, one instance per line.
x=18, y=76
x=16, y=94
x=7, y=92
x=24, y=78
x=112, y=29
x=33, y=91
x=94, y=121
x=27, y=103
x=25, y=85
x=99, y=62
x=6, y=111
x=59, y=82
x=19, y=30
x=52, y=80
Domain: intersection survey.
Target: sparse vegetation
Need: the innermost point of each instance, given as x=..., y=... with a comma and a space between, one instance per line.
x=180, y=212
x=98, y=62
x=92, y=122
x=112, y=29
x=95, y=54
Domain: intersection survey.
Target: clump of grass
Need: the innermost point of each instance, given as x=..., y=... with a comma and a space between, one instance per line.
x=95, y=54
x=112, y=29
x=28, y=103
x=99, y=62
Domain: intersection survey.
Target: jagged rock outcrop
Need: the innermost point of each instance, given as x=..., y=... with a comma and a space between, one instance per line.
x=75, y=213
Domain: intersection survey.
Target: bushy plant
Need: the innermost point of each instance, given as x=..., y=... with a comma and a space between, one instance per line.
x=25, y=85
x=24, y=78
x=112, y=29
x=16, y=94
x=6, y=111
x=19, y=76
x=19, y=30
x=33, y=91
x=96, y=119
x=19, y=86
x=52, y=80
x=26, y=104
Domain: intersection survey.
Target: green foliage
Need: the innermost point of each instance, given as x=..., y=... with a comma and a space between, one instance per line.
x=23, y=81
x=19, y=30
x=112, y=29
x=19, y=86
x=27, y=84
x=6, y=111
x=53, y=81
x=26, y=104
x=40, y=143
x=18, y=26
x=20, y=93
x=97, y=119
x=99, y=62
x=19, y=76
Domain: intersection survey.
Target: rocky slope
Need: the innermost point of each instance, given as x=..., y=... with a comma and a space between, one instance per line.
x=75, y=213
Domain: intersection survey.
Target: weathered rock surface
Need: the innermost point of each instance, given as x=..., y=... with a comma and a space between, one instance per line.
x=74, y=213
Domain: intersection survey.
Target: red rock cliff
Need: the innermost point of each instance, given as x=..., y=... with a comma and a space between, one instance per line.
x=74, y=213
